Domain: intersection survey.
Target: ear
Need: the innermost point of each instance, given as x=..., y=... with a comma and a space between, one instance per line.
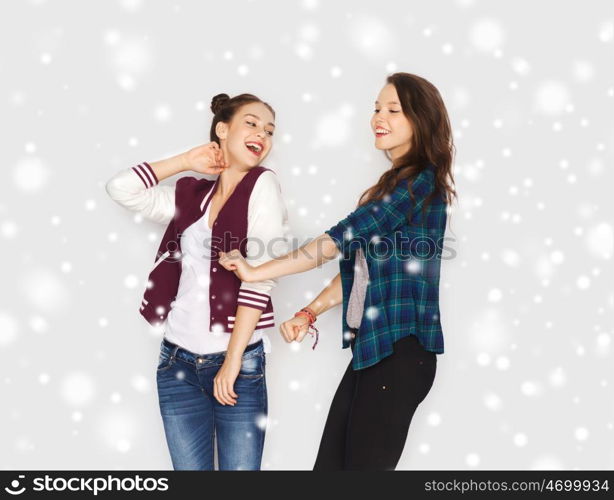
x=221, y=129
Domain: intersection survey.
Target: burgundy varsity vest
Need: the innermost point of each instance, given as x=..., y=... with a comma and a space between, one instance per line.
x=229, y=232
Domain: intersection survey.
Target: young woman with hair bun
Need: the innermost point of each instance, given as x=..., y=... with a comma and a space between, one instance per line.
x=211, y=368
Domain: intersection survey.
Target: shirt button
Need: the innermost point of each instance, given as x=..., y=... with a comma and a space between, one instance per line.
x=214, y=269
x=213, y=296
x=199, y=360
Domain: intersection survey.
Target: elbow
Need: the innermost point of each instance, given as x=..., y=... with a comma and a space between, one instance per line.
x=329, y=248
x=111, y=188
x=117, y=190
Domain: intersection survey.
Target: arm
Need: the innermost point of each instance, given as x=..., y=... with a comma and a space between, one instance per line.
x=314, y=254
x=296, y=328
x=329, y=297
x=309, y=256
x=224, y=380
x=136, y=188
x=170, y=166
x=267, y=233
x=377, y=218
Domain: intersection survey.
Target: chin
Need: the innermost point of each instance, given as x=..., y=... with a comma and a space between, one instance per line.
x=254, y=161
x=379, y=144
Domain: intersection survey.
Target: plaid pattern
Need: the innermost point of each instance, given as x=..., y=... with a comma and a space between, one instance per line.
x=403, y=252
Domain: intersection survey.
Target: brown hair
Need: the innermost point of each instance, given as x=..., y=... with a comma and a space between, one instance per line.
x=224, y=108
x=432, y=141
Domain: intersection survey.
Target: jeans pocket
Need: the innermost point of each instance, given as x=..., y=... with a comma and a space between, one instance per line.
x=252, y=367
x=165, y=361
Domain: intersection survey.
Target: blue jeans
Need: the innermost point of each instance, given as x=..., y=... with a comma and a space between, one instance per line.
x=192, y=417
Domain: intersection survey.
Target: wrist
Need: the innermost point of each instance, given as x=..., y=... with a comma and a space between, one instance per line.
x=256, y=273
x=233, y=356
x=316, y=309
x=184, y=162
x=307, y=313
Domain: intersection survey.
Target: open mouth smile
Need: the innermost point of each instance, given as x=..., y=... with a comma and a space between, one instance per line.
x=381, y=132
x=255, y=148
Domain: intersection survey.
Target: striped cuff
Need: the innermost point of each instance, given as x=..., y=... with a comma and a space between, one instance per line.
x=266, y=320
x=253, y=299
x=146, y=174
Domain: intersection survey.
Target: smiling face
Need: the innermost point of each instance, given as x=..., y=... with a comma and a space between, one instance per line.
x=247, y=139
x=393, y=131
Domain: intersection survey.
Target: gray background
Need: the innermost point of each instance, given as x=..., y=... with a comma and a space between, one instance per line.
x=89, y=88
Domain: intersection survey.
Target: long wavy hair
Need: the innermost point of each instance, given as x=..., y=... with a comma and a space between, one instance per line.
x=432, y=141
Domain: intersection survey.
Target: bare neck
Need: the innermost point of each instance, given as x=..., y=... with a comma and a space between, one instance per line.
x=228, y=180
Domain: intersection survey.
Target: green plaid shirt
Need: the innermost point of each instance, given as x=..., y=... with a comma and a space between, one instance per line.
x=402, y=248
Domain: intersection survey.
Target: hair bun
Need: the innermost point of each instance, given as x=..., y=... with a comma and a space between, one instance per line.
x=218, y=102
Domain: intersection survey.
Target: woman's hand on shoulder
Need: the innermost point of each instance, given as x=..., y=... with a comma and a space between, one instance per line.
x=205, y=159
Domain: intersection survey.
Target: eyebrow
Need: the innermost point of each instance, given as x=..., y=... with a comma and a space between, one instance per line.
x=257, y=117
x=389, y=102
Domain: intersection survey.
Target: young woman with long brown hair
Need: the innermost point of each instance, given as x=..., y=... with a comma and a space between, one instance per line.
x=390, y=248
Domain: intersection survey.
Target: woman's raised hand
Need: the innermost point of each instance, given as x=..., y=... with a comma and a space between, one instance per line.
x=294, y=329
x=205, y=159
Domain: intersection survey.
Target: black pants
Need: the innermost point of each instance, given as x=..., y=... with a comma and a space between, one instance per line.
x=370, y=414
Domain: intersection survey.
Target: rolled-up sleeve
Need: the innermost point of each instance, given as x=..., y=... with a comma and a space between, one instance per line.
x=380, y=218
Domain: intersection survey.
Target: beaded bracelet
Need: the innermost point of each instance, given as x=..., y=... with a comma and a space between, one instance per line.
x=311, y=317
